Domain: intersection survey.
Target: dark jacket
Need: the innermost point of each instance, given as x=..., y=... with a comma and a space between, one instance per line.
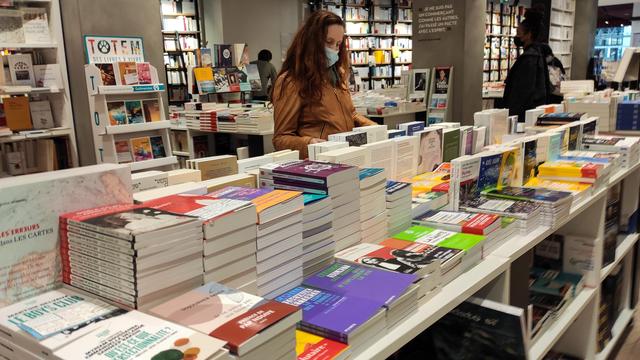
x=527, y=84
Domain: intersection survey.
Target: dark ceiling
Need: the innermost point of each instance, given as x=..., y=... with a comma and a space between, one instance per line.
x=615, y=15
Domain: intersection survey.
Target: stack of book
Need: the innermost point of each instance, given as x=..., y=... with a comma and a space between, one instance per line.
x=215, y=166
x=354, y=138
x=338, y=181
x=227, y=121
x=373, y=205
x=555, y=206
x=279, y=236
x=399, y=213
x=490, y=226
x=375, y=133
x=471, y=246
x=254, y=122
x=318, y=245
x=132, y=255
x=421, y=260
x=63, y=324
x=310, y=346
x=250, y=325
x=202, y=120
x=229, y=236
x=628, y=147
x=612, y=158
x=575, y=171
x=526, y=213
x=319, y=148
x=579, y=191
x=383, y=155
x=354, y=156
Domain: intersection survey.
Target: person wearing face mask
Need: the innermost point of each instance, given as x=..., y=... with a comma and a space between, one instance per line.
x=311, y=98
x=527, y=85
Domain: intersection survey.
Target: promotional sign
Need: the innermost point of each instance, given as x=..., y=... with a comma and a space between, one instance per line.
x=109, y=49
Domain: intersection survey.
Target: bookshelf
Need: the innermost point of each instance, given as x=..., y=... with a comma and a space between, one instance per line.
x=499, y=50
x=113, y=138
x=52, y=146
x=181, y=33
x=561, y=23
x=375, y=30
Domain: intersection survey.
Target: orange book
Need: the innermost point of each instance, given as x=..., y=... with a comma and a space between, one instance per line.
x=273, y=198
x=16, y=110
x=127, y=72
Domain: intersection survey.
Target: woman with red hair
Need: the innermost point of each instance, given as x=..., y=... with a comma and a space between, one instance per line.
x=311, y=98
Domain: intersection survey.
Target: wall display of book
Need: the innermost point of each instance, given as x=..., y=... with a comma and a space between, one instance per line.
x=499, y=50
x=181, y=39
x=379, y=36
x=140, y=149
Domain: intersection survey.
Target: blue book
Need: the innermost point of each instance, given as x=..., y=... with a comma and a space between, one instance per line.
x=396, y=133
x=411, y=127
x=363, y=282
x=328, y=314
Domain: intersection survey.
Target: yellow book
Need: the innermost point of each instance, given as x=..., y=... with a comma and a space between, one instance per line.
x=569, y=169
x=572, y=187
x=204, y=79
x=314, y=347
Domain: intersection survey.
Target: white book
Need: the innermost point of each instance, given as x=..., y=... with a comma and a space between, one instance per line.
x=354, y=138
x=253, y=163
x=383, y=155
x=48, y=76
x=181, y=176
x=285, y=156
x=41, y=115
x=186, y=188
x=374, y=133
x=147, y=180
x=319, y=148
x=354, y=156
x=479, y=139
x=21, y=69
x=147, y=337
x=466, y=140
x=407, y=155
x=35, y=25
x=11, y=31
x=430, y=149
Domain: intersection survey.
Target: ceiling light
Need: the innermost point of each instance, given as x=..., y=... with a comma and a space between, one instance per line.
x=606, y=22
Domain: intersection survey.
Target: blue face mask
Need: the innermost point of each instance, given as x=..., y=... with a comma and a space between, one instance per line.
x=332, y=56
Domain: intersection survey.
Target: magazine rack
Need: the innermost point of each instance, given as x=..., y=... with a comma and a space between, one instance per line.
x=106, y=135
x=439, y=101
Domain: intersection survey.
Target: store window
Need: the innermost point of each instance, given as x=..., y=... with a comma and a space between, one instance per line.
x=611, y=42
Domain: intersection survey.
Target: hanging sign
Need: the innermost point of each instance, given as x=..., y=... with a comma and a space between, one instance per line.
x=108, y=49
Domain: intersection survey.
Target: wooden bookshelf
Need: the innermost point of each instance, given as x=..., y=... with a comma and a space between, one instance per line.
x=177, y=56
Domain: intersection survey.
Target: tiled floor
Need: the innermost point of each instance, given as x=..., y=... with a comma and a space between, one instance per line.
x=631, y=344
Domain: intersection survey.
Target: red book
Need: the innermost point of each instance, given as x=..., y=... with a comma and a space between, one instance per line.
x=481, y=224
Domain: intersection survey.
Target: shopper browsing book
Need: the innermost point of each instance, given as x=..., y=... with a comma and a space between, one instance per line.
x=311, y=97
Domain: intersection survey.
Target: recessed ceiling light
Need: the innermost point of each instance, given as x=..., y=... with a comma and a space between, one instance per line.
x=606, y=22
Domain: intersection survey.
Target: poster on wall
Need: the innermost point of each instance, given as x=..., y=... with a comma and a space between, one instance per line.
x=437, y=19
x=441, y=80
x=109, y=49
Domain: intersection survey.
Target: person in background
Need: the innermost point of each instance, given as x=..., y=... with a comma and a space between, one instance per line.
x=311, y=98
x=267, y=73
x=557, y=74
x=527, y=85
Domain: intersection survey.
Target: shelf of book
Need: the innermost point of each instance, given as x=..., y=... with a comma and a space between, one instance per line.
x=28, y=45
x=625, y=317
x=131, y=128
x=130, y=89
x=153, y=163
x=20, y=90
x=627, y=243
x=554, y=331
x=49, y=133
x=451, y=295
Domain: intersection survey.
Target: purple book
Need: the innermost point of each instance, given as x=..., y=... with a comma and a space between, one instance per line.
x=362, y=282
x=328, y=314
x=321, y=173
x=239, y=193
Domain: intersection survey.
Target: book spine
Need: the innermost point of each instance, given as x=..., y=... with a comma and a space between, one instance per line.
x=129, y=264
x=94, y=262
x=71, y=229
x=299, y=188
x=92, y=250
x=117, y=246
x=71, y=266
x=124, y=287
x=104, y=291
x=288, y=177
x=324, y=332
x=98, y=230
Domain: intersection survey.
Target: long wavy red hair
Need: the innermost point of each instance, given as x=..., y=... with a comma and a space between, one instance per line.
x=306, y=65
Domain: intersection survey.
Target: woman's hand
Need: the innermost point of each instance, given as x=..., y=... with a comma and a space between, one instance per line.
x=315, y=141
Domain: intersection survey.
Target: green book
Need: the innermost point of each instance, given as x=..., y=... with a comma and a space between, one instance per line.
x=450, y=144
x=462, y=241
x=425, y=235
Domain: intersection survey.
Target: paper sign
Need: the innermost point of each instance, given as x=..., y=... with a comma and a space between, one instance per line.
x=108, y=49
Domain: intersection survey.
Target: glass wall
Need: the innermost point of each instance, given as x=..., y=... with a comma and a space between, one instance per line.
x=610, y=42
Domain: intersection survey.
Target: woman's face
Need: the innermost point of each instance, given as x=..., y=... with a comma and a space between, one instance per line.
x=335, y=34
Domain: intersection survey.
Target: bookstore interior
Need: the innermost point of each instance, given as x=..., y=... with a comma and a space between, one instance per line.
x=289, y=179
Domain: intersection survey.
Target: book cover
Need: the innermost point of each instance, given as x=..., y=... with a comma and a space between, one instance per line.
x=377, y=256
x=220, y=81
x=261, y=198
x=253, y=77
x=41, y=115
x=465, y=242
x=516, y=208
x=48, y=75
x=128, y=71
x=157, y=147
x=11, y=26
x=450, y=144
x=107, y=74
x=135, y=115
x=330, y=314
x=410, y=128
x=204, y=79
x=141, y=148
x=529, y=160
x=117, y=113
x=144, y=73
x=52, y=313
x=430, y=154
x=358, y=281
x=16, y=111
x=531, y=194
x=151, y=110
x=136, y=335
x=311, y=171
x=29, y=241
x=224, y=55
x=35, y=25
x=235, y=78
x=204, y=207
x=441, y=80
x=21, y=69
x=123, y=151
x=314, y=347
x=206, y=57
